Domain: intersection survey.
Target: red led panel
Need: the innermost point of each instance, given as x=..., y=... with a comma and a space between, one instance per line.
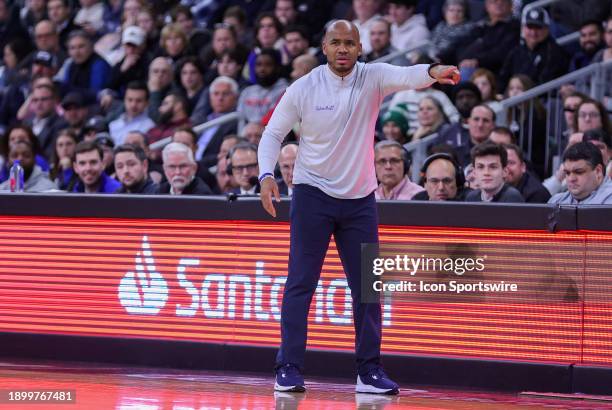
x=222, y=281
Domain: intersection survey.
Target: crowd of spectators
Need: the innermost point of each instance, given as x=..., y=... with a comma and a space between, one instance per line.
x=109, y=96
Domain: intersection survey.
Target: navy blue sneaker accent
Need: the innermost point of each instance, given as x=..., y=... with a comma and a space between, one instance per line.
x=377, y=382
x=289, y=379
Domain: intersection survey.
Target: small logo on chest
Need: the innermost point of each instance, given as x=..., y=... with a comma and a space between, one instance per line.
x=325, y=107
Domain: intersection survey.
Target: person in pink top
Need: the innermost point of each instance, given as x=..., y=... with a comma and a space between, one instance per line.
x=392, y=166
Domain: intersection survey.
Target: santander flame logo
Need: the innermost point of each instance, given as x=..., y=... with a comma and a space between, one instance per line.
x=144, y=291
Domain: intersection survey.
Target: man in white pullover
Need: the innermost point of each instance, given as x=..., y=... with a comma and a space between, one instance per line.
x=334, y=180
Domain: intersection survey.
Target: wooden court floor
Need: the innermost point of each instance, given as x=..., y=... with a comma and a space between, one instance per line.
x=136, y=388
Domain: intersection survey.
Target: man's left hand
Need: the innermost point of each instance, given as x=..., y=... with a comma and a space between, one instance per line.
x=445, y=74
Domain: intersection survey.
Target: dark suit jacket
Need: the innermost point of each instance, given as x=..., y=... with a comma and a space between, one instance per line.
x=47, y=136
x=209, y=156
x=196, y=187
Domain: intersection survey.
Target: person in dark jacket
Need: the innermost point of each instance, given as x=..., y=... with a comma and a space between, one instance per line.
x=538, y=56
x=180, y=169
x=527, y=183
x=85, y=70
x=489, y=41
x=132, y=168
x=489, y=161
x=443, y=180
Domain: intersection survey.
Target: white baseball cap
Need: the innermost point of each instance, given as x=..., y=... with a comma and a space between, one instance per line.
x=133, y=35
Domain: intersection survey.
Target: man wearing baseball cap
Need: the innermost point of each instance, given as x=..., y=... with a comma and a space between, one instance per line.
x=538, y=55
x=134, y=66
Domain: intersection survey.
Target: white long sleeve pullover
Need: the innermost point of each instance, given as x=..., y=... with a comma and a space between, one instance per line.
x=337, y=116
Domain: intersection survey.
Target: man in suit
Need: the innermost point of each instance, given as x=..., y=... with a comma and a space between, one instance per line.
x=46, y=123
x=244, y=167
x=223, y=97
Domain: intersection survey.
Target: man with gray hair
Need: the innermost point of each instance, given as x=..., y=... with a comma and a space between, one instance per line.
x=180, y=170
x=392, y=166
x=223, y=94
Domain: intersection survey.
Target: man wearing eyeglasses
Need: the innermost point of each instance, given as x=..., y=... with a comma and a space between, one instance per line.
x=244, y=168
x=180, y=168
x=392, y=173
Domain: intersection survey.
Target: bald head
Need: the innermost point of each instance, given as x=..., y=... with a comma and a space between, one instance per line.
x=343, y=26
x=342, y=47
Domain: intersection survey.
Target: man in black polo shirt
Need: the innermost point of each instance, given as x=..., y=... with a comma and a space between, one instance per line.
x=132, y=168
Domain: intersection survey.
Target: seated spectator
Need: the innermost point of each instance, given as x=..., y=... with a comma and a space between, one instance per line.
x=366, y=12
x=296, y=43
x=268, y=35
x=571, y=102
x=139, y=139
x=132, y=169
x=46, y=38
x=490, y=161
x=432, y=119
x=392, y=167
x=90, y=169
x=16, y=134
x=174, y=43
x=591, y=41
x=236, y=17
x=197, y=38
x=286, y=163
x=584, y=170
x=480, y=125
x=465, y=97
x=395, y=125
x=517, y=175
x=225, y=182
x=591, y=115
x=180, y=169
x=191, y=80
x=408, y=29
x=14, y=57
x=135, y=117
x=443, y=179
x=489, y=41
x=449, y=32
x=242, y=165
x=60, y=14
x=134, y=65
x=556, y=183
x=487, y=84
x=187, y=136
x=255, y=101
x=62, y=173
x=75, y=111
x=537, y=56
x=302, y=65
x=223, y=41
x=223, y=97
x=380, y=39
x=35, y=179
x=252, y=132
x=285, y=11
x=159, y=83
x=173, y=113
x=46, y=123
x=15, y=103
x=502, y=136
x=147, y=21
x=90, y=17
x=85, y=70
x=605, y=54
